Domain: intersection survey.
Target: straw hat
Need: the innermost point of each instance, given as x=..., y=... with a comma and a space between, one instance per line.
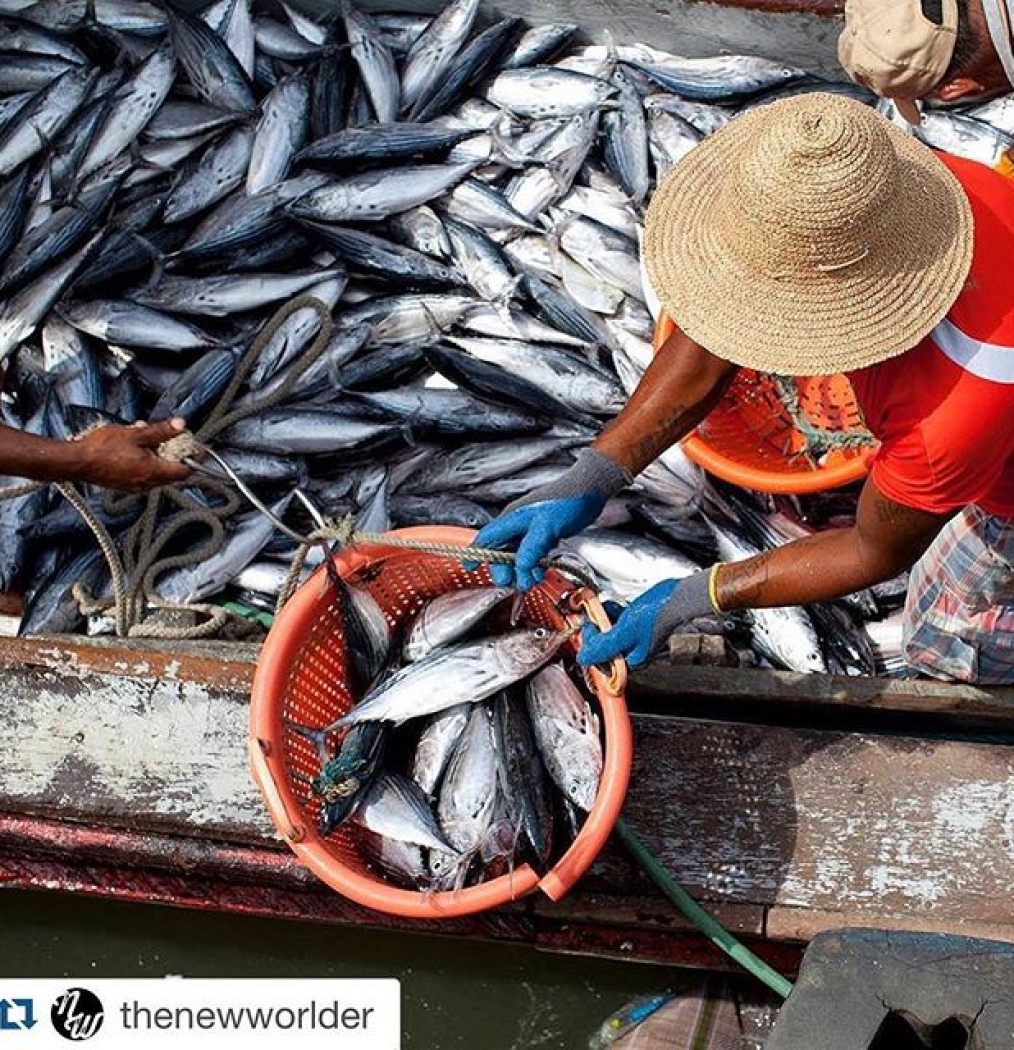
x=808, y=237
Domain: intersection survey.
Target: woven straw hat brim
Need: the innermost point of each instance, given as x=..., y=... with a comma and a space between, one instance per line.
x=822, y=323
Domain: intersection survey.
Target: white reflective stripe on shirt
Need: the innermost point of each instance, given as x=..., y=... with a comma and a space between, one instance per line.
x=984, y=360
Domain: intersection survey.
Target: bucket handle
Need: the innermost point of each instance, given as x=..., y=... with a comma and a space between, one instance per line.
x=290, y=826
x=591, y=609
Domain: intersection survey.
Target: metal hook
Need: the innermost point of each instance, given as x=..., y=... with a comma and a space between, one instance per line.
x=244, y=489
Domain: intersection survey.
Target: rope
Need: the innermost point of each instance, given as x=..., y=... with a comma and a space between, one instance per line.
x=343, y=534
x=135, y=567
x=818, y=439
x=709, y=926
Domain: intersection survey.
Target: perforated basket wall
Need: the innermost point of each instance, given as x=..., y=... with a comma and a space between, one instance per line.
x=300, y=678
x=751, y=439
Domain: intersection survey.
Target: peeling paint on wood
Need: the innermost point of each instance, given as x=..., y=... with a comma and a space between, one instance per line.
x=226, y=665
x=146, y=754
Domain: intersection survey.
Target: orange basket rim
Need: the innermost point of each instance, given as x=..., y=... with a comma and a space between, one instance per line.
x=267, y=759
x=729, y=468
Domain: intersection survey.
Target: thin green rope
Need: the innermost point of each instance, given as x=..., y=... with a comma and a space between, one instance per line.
x=709, y=926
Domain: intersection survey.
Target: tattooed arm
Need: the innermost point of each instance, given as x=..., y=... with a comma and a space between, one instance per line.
x=887, y=538
x=680, y=387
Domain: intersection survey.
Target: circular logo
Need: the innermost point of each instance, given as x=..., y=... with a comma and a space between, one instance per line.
x=77, y=1014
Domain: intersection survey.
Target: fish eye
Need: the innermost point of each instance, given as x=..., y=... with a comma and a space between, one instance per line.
x=541, y=632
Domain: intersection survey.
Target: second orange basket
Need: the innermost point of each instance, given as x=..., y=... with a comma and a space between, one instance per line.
x=751, y=439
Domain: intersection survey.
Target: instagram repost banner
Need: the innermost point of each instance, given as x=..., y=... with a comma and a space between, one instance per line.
x=113, y=1014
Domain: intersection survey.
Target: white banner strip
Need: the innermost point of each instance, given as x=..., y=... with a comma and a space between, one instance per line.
x=112, y=1014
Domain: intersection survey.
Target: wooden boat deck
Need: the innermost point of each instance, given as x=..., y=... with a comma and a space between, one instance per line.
x=787, y=804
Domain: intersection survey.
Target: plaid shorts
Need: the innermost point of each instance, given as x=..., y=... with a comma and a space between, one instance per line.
x=959, y=613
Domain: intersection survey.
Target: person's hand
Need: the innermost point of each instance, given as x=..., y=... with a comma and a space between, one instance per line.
x=644, y=626
x=537, y=522
x=126, y=458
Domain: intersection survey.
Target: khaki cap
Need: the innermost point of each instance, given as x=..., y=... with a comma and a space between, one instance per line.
x=808, y=237
x=893, y=48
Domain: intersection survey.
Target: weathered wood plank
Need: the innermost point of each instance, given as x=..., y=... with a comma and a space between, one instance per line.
x=156, y=754
x=225, y=665
x=889, y=826
x=759, y=689
x=803, y=924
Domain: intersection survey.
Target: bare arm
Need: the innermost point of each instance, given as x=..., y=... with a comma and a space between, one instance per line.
x=681, y=386
x=116, y=457
x=887, y=538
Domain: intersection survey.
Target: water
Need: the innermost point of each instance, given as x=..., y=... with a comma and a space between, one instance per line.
x=455, y=995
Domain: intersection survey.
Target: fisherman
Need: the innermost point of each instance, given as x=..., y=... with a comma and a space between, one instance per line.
x=811, y=237
x=944, y=51
x=115, y=457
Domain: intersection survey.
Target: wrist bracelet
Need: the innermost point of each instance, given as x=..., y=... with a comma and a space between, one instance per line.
x=713, y=587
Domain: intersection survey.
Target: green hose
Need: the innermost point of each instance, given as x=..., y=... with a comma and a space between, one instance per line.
x=711, y=928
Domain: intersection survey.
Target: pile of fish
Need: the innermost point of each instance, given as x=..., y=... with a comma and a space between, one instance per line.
x=465, y=200
x=469, y=750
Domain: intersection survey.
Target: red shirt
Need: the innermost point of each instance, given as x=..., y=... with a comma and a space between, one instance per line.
x=944, y=410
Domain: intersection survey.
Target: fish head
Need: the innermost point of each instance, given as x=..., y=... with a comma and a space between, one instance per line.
x=524, y=650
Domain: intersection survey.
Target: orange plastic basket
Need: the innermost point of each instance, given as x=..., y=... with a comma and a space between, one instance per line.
x=750, y=439
x=299, y=677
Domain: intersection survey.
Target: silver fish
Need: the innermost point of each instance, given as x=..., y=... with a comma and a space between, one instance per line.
x=376, y=195
x=626, y=132
x=294, y=334
x=437, y=743
x=567, y=733
x=376, y=65
x=603, y=252
x=546, y=91
x=421, y=229
x=184, y=119
x=215, y=174
x=539, y=44
x=307, y=432
x=220, y=296
x=671, y=138
x=281, y=132
x=469, y=788
x=784, y=635
x=22, y=313
x=129, y=324
x=460, y=469
x=235, y=27
x=395, y=807
x=41, y=119
x=465, y=673
x=277, y=40
x=566, y=377
x=625, y=564
x=704, y=116
x=712, y=79
x=486, y=319
x=211, y=67
x=434, y=51
x=449, y=618
x=134, y=105
x=481, y=261
x=403, y=862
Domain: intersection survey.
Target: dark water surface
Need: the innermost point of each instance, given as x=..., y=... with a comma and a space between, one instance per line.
x=454, y=994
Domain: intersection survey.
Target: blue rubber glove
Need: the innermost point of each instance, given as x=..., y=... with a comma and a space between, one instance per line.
x=645, y=625
x=537, y=522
